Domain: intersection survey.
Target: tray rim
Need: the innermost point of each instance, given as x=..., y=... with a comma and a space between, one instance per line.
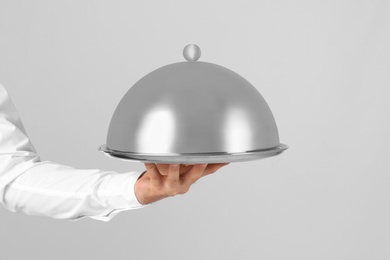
x=194, y=158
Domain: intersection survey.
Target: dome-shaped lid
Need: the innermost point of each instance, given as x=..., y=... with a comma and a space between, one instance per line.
x=192, y=112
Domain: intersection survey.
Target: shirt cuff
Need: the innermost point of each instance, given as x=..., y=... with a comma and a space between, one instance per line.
x=119, y=190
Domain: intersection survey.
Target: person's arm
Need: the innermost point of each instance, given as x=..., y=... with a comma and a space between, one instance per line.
x=33, y=187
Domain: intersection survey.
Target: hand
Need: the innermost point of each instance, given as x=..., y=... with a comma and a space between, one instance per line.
x=167, y=180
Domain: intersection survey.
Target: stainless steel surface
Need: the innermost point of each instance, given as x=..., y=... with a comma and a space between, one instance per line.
x=191, y=52
x=192, y=112
x=195, y=158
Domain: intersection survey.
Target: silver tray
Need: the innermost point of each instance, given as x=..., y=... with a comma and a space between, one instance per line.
x=194, y=158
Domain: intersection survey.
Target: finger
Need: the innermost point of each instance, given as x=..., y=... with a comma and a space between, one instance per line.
x=163, y=169
x=184, y=168
x=153, y=173
x=212, y=168
x=194, y=174
x=173, y=174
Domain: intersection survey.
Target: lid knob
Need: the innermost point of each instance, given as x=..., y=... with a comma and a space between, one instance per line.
x=191, y=52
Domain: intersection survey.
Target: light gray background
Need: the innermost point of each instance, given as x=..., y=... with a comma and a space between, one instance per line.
x=322, y=66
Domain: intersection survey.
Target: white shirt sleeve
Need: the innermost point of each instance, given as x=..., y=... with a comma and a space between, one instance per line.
x=44, y=188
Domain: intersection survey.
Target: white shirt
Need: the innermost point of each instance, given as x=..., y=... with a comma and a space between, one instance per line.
x=43, y=188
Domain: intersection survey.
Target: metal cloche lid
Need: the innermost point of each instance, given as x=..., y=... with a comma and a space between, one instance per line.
x=192, y=112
